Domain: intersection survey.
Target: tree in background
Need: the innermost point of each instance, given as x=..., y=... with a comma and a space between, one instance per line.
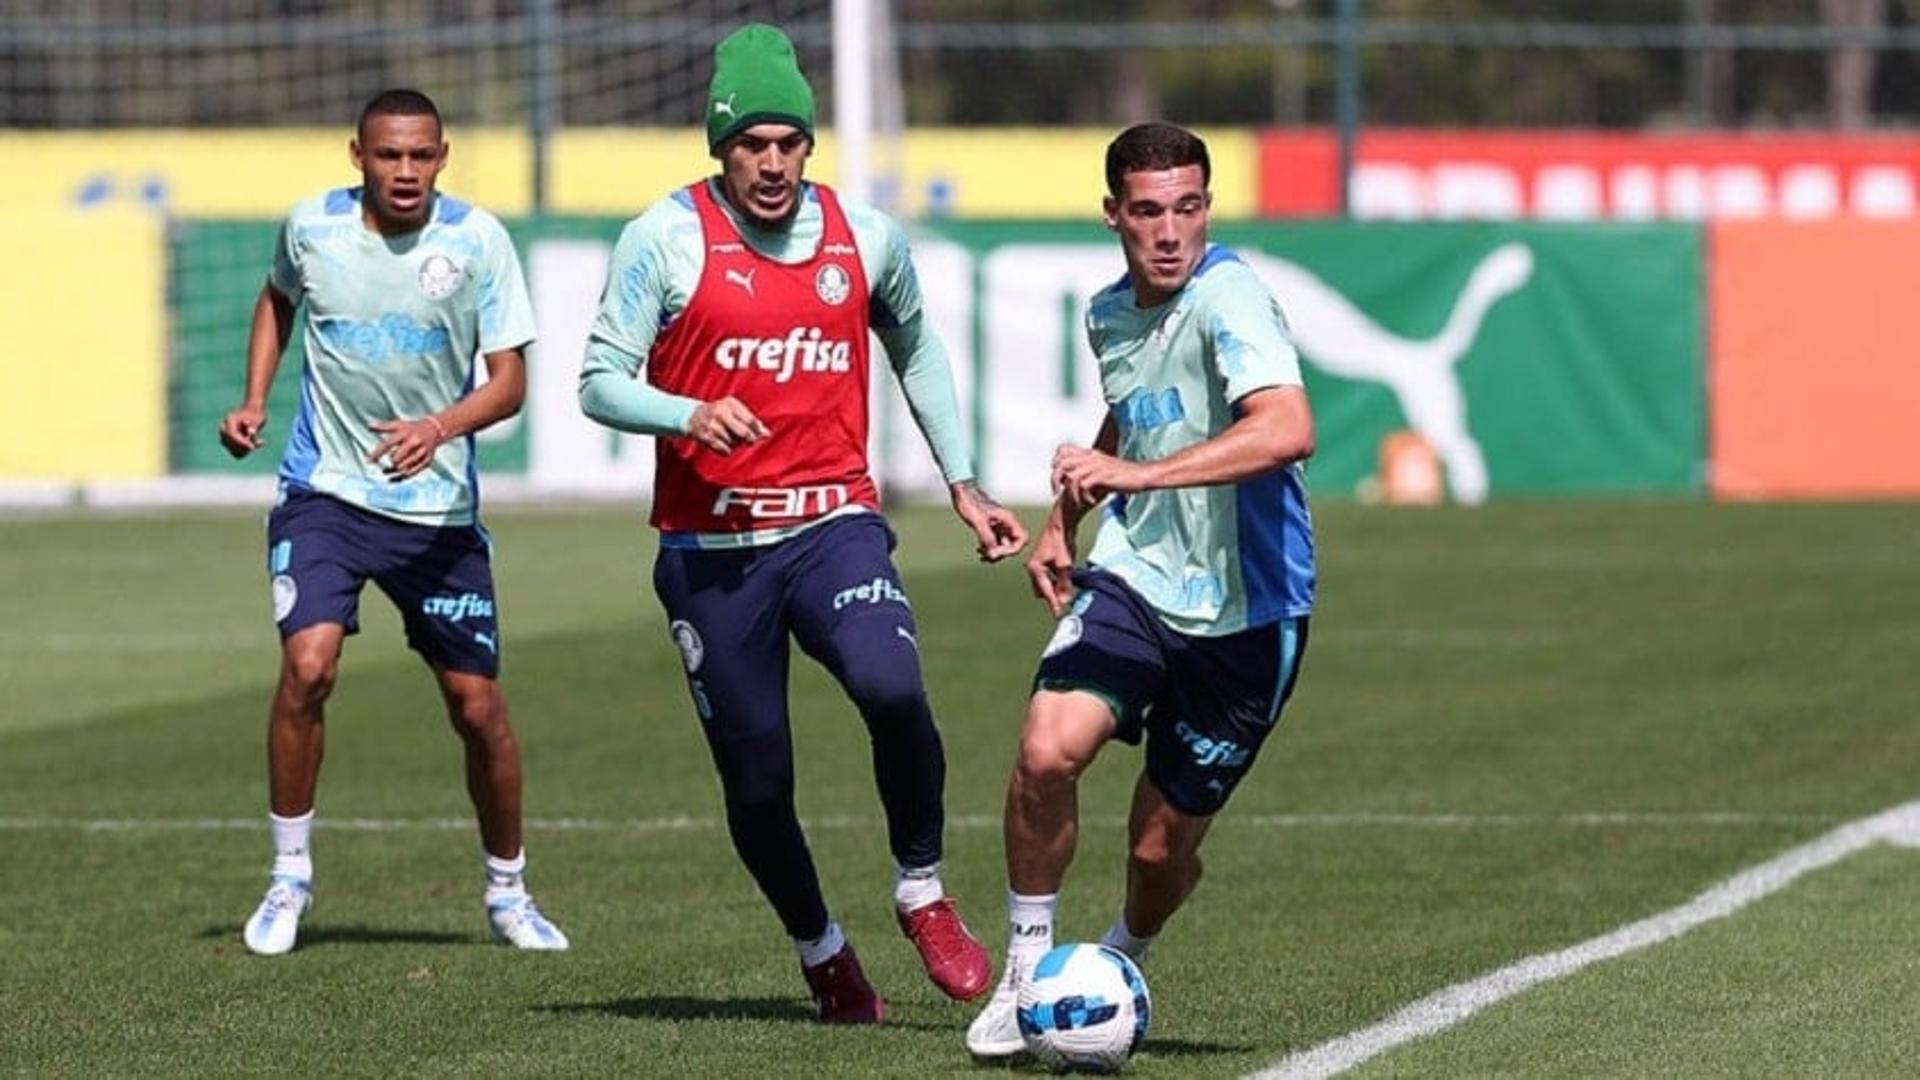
x=1850, y=70
x=227, y=63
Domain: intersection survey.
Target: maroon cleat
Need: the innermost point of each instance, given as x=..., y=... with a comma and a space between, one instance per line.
x=955, y=961
x=842, y=992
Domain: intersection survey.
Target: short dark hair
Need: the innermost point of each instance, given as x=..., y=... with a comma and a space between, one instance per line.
x=398, y=102
x=1151, y=147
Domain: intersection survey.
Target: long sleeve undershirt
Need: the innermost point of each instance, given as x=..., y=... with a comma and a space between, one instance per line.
x=655, y=268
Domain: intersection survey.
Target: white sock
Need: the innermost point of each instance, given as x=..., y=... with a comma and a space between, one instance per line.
x=1118, y=936
x=823, y=948
x=1029, y=932
x=917, y=887
x=505, y=877
x=292, y=856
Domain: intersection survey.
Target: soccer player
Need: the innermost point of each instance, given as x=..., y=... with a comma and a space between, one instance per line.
x=1187, y=625
x=734, y=328
x=403, y=286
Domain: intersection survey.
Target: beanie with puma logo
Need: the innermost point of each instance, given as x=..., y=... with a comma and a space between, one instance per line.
x=756, y=80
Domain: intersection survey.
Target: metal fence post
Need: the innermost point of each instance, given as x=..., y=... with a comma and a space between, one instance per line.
x=1346, y=95
x=542, y=45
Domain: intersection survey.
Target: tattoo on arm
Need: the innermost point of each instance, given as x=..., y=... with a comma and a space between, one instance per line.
x=972, y=492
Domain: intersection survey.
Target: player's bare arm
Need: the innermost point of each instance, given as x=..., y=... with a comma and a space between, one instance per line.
x=1275, y=429
x=723, y=424
x=241, y=430
x=1050, y=569
x=407, y=445
x=920, y=364
x=996, y=527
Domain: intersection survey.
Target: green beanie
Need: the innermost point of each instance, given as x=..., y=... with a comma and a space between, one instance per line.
x=756, y=80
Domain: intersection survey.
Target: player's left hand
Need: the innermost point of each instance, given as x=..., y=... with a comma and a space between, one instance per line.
x=406, y=446
x=240, y=430
x=998, y=530
x=1086, y=476
x=1050, y=569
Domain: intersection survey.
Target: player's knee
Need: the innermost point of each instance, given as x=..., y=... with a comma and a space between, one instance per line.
x=1153, y=855
x=758, y=797
x=1046, y=761
x=308, y=674
x=479, y=716
x=757, y=776
x=888, y=691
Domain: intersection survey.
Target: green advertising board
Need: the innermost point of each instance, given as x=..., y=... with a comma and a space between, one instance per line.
x=1572, y=355
x=1533, y=359
x=216, y=270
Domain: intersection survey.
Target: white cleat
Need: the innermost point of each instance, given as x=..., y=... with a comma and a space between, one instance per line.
x=276, y=922
x=995, y=1033
x=517, y=922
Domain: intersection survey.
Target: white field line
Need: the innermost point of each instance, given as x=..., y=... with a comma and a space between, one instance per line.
x=957, y=821
x=1454, y=1004
x=1599, y=819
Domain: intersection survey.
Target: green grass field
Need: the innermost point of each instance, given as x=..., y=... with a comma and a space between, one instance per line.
x=1519, y=728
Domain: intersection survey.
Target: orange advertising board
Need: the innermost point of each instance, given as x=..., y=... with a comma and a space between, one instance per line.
x=1813, y=383
x=1410, y=174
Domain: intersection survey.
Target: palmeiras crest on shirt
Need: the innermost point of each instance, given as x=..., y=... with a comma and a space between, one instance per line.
x=832, y=284
x=439, y=276
x=687, y=640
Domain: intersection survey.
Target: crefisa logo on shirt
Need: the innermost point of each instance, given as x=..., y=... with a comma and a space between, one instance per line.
x=804, y=348
x=439, y=276
x=832, y=284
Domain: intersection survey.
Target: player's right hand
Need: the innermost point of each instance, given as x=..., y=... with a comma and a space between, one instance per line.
x=240, y=430
x=1050, y=569
x=723, y=424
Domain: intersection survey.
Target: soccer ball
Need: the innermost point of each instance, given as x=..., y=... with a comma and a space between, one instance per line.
x=1084, y=1008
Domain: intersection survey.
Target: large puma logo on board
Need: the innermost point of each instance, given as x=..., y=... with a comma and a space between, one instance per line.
x=1336, y=336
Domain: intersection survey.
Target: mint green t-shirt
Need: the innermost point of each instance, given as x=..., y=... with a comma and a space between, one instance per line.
x=394, y=328
x=1218, y=559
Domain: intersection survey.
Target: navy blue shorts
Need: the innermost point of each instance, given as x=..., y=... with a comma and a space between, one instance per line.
x=320, y=551
x=1204, y=704
x=833, y=589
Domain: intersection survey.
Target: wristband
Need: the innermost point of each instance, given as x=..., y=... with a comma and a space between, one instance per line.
x=437, y=426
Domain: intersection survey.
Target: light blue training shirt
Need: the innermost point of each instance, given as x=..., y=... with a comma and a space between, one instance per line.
x=1218, y=559
x=394, y=326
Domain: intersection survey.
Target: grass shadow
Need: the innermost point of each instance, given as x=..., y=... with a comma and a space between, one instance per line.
x=675, y=1008
x=317, y=936
x=672, y=1007
x=1177, y=1048
x=1024, y=1062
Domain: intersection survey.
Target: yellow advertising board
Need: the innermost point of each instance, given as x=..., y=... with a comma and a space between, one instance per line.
x=259, y=173
x=85, y=364
x=1044, y=172
x=976, y=173
x=935, y=172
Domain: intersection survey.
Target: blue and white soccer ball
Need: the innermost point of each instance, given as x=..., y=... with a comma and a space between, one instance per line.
x=1084, y=1008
